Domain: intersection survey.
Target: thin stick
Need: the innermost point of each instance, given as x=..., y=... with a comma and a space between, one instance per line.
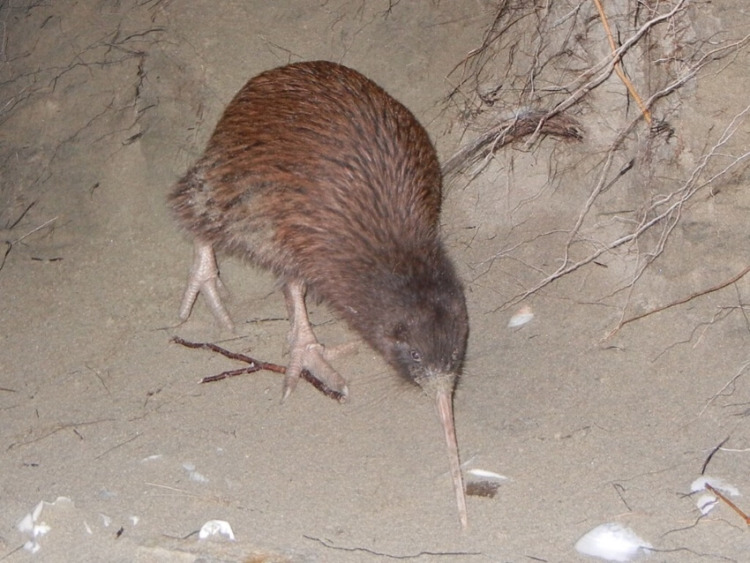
x=711, y=455
x=733, y=506
x=229, y=373
x=35, y=229
x=605, y=67
x=728, y=384
x=688, y=298
x=254, y=366
x=618, y=64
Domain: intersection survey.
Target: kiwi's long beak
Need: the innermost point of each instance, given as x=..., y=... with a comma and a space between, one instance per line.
x=444, y=400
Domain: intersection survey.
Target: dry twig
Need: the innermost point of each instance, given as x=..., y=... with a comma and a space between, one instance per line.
x=726, y=386
x=507, y=132
x=253, y=366
x=722, y=285
x=618, y=64
x=731, y=505
x=666, y=210
x=9, y=243
x=543, y=44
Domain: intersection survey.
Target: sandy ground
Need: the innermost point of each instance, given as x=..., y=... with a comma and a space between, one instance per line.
x=104, y=104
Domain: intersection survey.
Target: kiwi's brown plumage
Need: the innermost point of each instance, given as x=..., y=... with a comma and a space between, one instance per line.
x=317, y=174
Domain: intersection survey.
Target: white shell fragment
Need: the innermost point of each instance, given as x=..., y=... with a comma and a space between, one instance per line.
x=216, y=529
x=33, y=526
x=611, y=542
x=193, y=474
x=198, y=477
x=706, y=503
x=483, y=483
x=700, y=484
x=484, y=474
x=522, y=316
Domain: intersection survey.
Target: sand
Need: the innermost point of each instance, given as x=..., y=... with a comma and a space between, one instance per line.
x=105, y=104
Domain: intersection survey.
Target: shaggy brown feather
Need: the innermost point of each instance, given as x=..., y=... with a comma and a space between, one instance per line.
x=317, y=174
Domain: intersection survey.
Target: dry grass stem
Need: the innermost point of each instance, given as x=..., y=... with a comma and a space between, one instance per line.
x=618, y=64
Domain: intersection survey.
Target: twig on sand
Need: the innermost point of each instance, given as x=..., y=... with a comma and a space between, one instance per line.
x=711, y=455
x=684, y=300
x=728, y=384
x=10, y=243
x=731, y=505
x=253, y=366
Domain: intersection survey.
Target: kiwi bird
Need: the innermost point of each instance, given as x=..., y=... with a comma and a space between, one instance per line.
x=315, y=173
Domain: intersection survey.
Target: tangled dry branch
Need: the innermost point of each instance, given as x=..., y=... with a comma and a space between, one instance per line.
x=520, y=84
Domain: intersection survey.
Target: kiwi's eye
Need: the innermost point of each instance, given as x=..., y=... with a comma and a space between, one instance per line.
x=416, y=356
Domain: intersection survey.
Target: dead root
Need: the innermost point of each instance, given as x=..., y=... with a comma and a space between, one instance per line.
x=522, y=125
x=541, y=71
x=253, y=366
